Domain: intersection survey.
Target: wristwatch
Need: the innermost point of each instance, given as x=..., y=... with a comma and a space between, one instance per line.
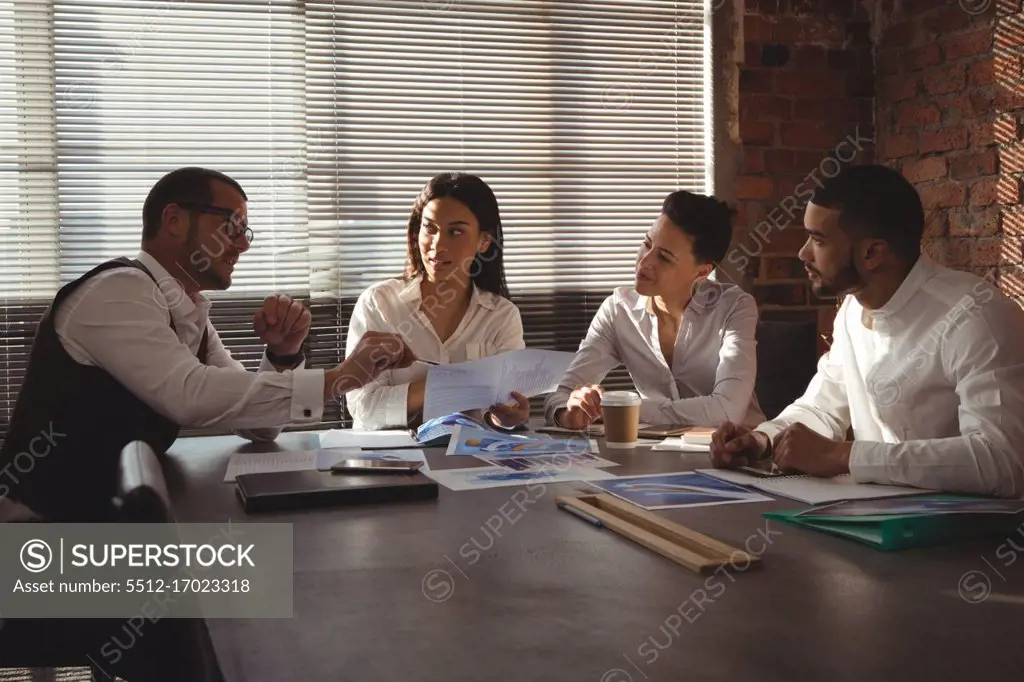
x=285, y=360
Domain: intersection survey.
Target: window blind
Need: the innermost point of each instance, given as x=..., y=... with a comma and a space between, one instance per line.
x=581, y=116
x=28, y=185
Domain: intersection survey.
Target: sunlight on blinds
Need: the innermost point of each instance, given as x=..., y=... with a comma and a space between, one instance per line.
x=581, y=116
x=145, y=87
x=28, y=163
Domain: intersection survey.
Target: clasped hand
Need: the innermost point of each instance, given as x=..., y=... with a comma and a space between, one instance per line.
x=283, y=324
x=796, y=448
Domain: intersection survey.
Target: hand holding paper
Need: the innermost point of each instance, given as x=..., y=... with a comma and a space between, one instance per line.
x=514, y=414
x=482, y=383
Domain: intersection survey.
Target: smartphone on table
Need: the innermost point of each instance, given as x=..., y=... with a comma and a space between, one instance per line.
x=376, y=466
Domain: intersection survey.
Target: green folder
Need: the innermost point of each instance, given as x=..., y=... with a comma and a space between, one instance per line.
x=892, y=532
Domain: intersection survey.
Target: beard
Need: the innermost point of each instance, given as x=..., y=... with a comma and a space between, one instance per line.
x=206, y=262
x=845, y=281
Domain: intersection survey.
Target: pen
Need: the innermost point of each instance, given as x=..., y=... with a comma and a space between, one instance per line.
x=428, y=362
x=582, y=515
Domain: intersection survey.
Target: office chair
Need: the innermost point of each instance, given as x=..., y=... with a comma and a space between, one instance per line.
x=170, y=649
x=787, y=359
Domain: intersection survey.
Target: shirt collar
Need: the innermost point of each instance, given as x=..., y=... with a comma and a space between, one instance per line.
x=180, y=304
x=922, y=271
x=410, y=294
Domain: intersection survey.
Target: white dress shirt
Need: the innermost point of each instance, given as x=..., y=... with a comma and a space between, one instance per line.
x=714, y=365
x=118, y=321
x=491, y=325
x=934, y=390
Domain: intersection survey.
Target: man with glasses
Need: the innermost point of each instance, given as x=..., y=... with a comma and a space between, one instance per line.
x=127, y=352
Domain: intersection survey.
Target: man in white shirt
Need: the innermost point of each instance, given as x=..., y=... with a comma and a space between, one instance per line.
x=127, y=352
x=926, y=363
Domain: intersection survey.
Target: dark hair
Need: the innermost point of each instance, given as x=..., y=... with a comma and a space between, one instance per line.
x=190, y=184
x=876, y=201
x=488, y=269
x=706, y=219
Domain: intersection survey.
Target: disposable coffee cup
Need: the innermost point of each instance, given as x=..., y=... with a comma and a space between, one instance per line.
x=621, y=413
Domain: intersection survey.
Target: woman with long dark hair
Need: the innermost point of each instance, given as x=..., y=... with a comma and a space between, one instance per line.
x=451, y=305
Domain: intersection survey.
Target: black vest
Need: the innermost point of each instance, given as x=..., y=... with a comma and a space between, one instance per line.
x=62, y=451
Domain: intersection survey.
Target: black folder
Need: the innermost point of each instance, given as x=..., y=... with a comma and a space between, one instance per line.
x=302, y=489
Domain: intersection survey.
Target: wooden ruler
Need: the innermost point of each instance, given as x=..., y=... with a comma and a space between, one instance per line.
x=685, y=546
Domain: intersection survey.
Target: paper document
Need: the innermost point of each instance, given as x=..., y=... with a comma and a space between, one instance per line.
x=681, y=444
x=495, y=477
x=920, y=505
x=563, y=462
x=437, y=432
x=325, y=459
x=353, y=438
x=667, y=491
x=481, y=383
x=489, y=443
x=268, y=462
x=813, y=490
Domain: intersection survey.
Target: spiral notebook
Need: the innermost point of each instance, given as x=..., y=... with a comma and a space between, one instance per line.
x=814, y=490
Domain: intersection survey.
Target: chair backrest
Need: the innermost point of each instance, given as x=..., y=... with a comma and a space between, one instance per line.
x=172, y=649
x=177, y=648
x=787, y=358
x=15, y=512
x=143, y=496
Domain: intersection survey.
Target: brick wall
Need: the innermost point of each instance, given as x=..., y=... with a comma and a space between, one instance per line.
x=949, y=115
x=806, y=100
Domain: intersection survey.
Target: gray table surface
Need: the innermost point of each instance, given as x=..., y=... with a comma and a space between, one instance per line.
x=427, y=591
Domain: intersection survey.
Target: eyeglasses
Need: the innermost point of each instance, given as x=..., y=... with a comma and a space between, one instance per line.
x=233, y=228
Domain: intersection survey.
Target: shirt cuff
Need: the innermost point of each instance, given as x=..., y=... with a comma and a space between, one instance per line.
x=307, y=395
x=770, y=428
x=554, y=403
x=267, y=366
x=652, y=411
x=869, y=462
x=396, y=406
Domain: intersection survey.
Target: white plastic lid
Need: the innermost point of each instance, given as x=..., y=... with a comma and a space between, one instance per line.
x=620, y=399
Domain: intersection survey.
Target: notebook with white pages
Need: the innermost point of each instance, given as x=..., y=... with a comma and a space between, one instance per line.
x=814, y=490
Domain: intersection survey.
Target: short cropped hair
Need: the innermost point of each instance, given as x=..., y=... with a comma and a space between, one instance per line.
x=706, y=219
x=876, y=201
x=190, y=184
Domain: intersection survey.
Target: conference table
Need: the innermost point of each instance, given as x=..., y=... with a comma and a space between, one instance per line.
x=441, y=590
